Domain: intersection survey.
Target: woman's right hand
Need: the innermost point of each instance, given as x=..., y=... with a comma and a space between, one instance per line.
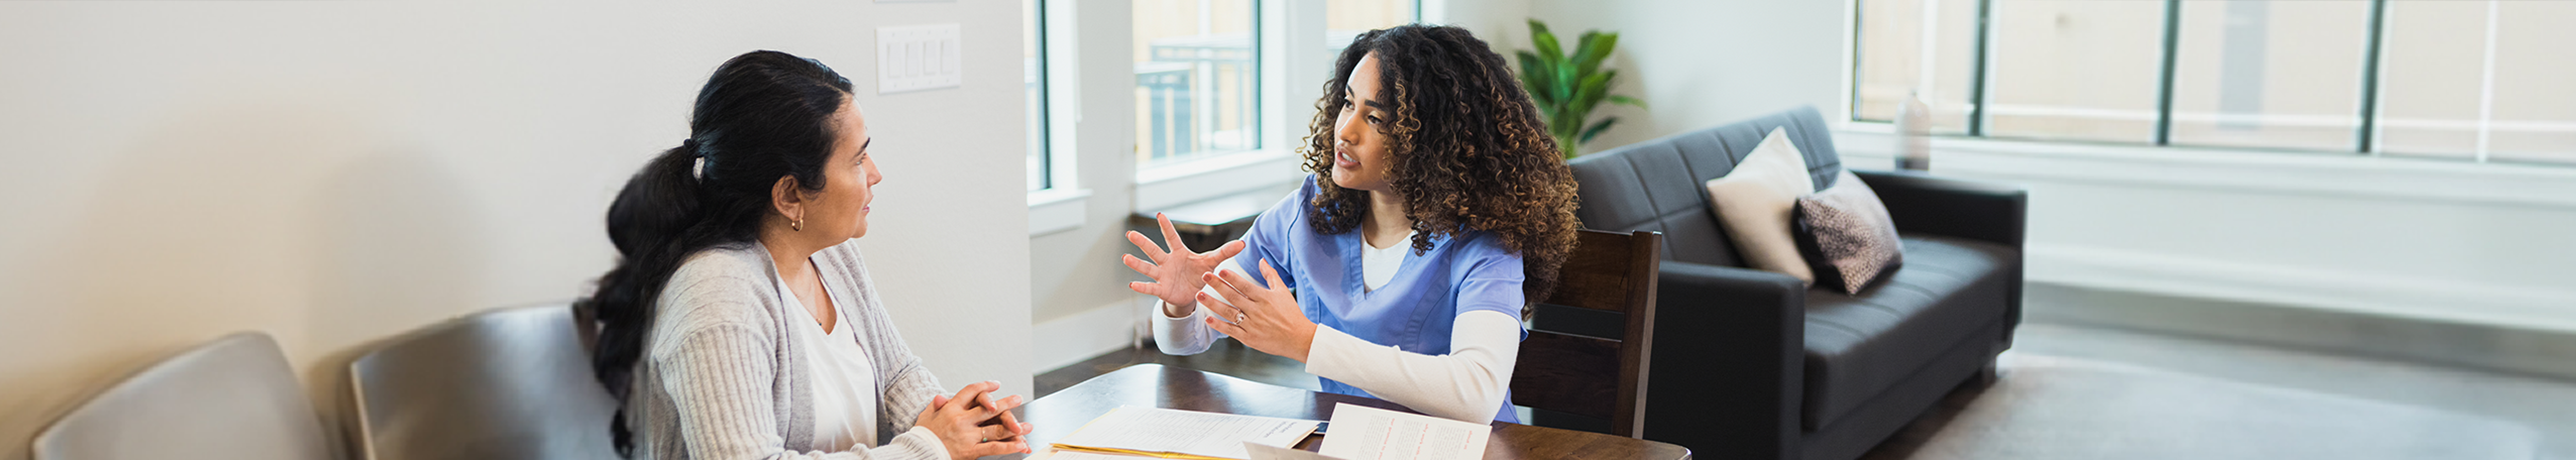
x=1176, y=271
x=961, y=425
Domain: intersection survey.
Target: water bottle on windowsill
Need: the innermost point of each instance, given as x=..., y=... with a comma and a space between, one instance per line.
x=1914, y=133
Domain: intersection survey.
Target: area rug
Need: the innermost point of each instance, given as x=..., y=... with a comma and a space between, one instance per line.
x=2046, y=407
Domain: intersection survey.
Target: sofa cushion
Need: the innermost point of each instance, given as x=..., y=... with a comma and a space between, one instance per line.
x=1754, y=205
x=1859, y=346
x=1846, y=234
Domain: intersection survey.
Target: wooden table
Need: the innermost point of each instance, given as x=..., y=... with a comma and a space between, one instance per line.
x=1156, y=385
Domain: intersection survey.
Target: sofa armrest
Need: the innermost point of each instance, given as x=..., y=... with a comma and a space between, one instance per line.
x=1730, y=349
x=1985, y=211
x=1977, y=210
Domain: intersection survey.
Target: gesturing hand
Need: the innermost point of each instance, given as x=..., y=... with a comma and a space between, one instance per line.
x=1264, y=318
x=1176, y=272
x=961, y=423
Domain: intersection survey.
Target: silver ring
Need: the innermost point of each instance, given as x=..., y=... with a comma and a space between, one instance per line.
x=1240, y=317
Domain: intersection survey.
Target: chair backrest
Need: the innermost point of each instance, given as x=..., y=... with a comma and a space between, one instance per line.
x=1566, y=372
x=1657, y=185
x=233, y=398
x=511, y=383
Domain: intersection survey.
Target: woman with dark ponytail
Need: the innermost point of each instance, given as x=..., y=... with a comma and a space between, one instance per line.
x=740, y=321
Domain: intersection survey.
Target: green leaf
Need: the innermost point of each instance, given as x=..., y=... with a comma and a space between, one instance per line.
x=1596, y=129
x=1545, y=41
x=1566, y=84
x=1536, y=78
x=1592, y=49
x=1589, y=92
x=1628, y=101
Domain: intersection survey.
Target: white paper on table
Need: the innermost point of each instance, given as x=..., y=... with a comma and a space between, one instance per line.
x=1262, y=452
x=1079, y=455
x=1150, y=431
x=1369, y=433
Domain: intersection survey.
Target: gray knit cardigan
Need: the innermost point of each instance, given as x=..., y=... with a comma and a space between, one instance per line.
x=723, y=380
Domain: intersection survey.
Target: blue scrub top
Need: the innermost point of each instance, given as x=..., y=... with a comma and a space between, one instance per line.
x=1463, y=272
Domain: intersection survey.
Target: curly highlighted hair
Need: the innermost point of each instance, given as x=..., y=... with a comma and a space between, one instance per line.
x=1466, y=149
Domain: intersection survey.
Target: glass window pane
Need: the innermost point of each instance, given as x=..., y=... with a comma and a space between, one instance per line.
x=2430, y=73
x=2081, y=70
x=2535, y=83
x=1891, y=59
x=2435, y=94
x=1345, y=19
x=2259, y=73
x=1195, y=77
x=1033, y=88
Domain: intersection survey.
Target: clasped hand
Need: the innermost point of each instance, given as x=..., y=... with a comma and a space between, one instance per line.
x=1263, y=316
x=973, y=425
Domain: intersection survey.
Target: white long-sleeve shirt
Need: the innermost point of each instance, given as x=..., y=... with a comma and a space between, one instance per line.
x=1467, y=384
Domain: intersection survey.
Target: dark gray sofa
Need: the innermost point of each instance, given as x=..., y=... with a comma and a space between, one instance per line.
x=1748, y=364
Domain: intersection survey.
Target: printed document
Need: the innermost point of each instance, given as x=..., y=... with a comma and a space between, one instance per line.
x=1369, y=433
x=1172, y=433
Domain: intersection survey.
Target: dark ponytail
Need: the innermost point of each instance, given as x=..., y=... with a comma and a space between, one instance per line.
x=762, y=115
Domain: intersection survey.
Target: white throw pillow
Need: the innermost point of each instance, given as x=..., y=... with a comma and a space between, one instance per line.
x=1753, y=203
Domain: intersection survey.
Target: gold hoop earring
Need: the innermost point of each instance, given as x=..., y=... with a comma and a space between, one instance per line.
x=796, y=225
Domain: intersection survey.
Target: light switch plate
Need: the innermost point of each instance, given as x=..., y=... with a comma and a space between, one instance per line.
x=915, y=58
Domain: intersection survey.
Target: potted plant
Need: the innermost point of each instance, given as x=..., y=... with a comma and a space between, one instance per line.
x=1568, y=88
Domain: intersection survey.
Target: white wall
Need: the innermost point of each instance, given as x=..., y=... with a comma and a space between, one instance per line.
x=1698, y=63
x=333, y=173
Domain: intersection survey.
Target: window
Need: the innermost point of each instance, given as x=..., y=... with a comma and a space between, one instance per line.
x=2074, y=70
x=2256, y=73
x=1891, y=56
x=1197, y=80
x=2479, y=80
x=1033, y=89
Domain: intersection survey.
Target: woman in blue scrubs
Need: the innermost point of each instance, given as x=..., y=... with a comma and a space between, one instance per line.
x=1438, y=210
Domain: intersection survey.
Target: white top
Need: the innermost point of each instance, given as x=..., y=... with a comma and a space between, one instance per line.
x=1377, y=265
x=714, y=384
x=1467, y=384
x=845, y=396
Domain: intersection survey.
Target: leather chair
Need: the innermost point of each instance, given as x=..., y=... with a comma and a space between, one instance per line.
x=1750, y=364
x=232, y=398
x=510, y=383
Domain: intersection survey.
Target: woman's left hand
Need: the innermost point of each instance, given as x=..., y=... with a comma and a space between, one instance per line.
x=1265, y=318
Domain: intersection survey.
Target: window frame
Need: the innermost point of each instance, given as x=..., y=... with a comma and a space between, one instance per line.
x=1062, y=204
x=2366, y=132
x=1281, y=29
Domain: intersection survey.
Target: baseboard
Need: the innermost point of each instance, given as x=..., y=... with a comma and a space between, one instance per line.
x=1071, y=339
x=2325, y=289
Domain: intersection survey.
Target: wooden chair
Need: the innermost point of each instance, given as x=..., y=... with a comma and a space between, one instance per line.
x=1610, y=279
x=510, y=383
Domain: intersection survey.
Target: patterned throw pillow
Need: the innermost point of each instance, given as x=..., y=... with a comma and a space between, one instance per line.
x=1846, y=235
